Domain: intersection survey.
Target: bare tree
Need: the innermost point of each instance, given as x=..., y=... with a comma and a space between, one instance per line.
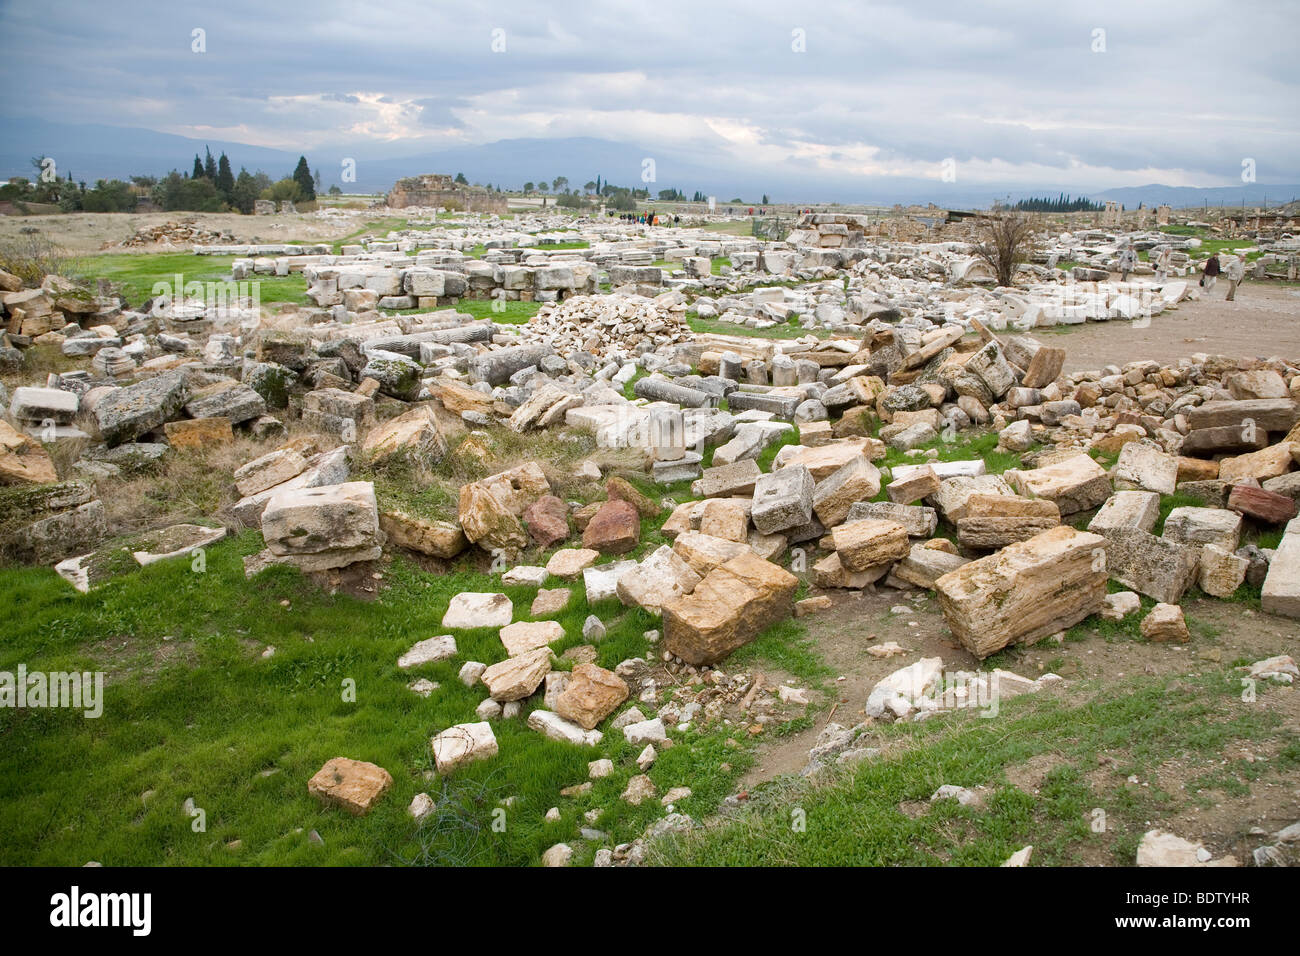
x=1004, y=243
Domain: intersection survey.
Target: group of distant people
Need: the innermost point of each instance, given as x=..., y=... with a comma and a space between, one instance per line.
x=1235, y=272
x=648, y=219
x=1213, y=268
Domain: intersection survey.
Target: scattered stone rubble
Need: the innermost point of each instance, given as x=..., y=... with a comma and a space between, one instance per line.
x=915, y=359
x=187, y=232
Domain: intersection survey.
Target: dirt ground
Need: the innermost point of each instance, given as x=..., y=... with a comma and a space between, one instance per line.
x=1221, y=633
x=86, y=233
x=1263, y=321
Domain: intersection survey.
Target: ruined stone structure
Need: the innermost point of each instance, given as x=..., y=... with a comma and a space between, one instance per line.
x=437, y=189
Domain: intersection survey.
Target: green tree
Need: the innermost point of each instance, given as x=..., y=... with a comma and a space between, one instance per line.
x=302, y=176
x=460, y=179
x=175, y=192
x=542, y=186
x=225, y=179
x=209, y=165
x=198, y=168
x=109, y=195
x=559, y=183
x=245, y=192
x=286, y=190
x=528, y=187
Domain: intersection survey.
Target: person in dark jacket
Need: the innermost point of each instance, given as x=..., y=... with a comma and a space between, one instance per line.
x=1210, y=274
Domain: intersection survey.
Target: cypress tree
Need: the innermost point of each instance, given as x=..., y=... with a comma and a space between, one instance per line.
x=302, y=176
x=225, y=179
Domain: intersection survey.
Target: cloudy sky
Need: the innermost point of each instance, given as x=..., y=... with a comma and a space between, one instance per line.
x=1086, y=95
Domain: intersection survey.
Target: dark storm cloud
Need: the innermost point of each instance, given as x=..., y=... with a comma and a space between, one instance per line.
x=1098, y=94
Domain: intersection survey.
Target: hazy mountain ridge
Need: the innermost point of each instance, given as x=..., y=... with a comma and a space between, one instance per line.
x=94, y=152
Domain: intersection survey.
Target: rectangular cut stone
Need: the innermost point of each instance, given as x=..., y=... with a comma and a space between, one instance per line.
x=966, y=468
x=332, y=518
x=1157, y=567
x=923, y=566
x=869, y=543
x=1075, y=484
x=1026, y=591
x=31, y=404
x=704, y=552
x=724, y=481
x=914, y=486
x=988, y=532
x=782, y=406
x=1223, y=438
x=1281, y=592
x=824, y=460
x=731, y=606
x=1144, y=466
x=1267, y=506
x=1266, y=414
x=954, y=493
x=1127, y=509
x=917, y=520
x=1261, y=465
x=828, y=572
x=1201, y=526
x=783, y=499
x=833, y=497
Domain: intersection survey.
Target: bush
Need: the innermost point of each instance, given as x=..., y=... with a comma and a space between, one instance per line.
x=286, y=190
x=31, y=257
x=111, y=195
x=1004, y=244
x=175, y=192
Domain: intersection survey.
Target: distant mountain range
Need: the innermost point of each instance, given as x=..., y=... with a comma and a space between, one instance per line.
x=92, y=152
x=1184, y=196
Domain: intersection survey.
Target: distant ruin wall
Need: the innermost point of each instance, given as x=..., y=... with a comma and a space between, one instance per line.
x=439, y=190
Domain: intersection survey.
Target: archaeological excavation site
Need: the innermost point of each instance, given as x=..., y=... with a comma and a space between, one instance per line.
x=844, y=506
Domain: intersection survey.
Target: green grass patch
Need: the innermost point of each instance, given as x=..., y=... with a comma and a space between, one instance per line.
x=137, y=274
x=857, y=818
x=193, y=710
x=784, y=330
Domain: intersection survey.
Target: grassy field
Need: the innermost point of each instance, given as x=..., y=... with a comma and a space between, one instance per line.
x=730, y=227
x=551, y=246
x=786, y=330
x=194, y=710
x=137, y=274
x=857, y=817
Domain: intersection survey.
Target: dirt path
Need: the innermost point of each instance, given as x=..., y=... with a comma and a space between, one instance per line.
x=1264, y=321
x=87, y=233
x=1221, y=633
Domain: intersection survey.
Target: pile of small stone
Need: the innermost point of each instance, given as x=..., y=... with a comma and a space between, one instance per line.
x=187, y=232
x=603, y=324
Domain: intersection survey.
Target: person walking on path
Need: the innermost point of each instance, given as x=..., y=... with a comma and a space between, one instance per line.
x=1236, y=272
x=1127, y=262
x=1210, y=274
x=1164, y=259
